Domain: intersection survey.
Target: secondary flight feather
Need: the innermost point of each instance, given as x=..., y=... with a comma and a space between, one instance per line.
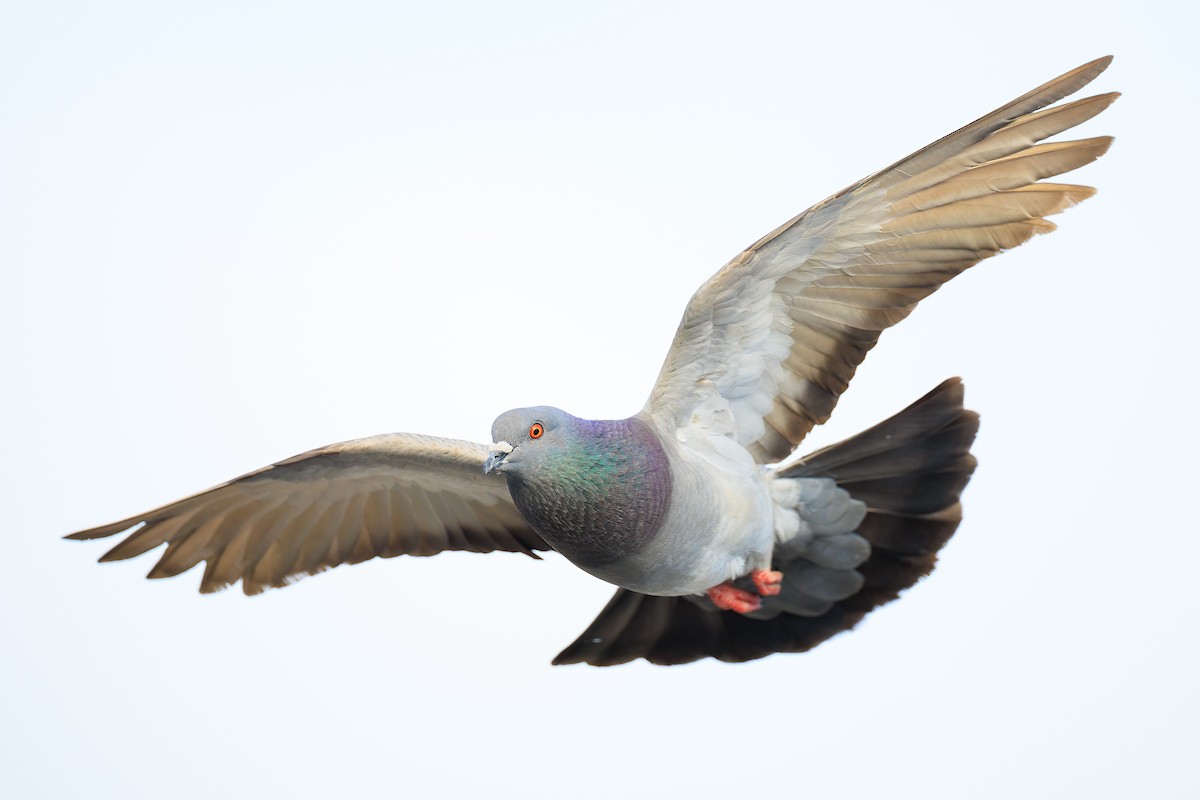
x=717, y=550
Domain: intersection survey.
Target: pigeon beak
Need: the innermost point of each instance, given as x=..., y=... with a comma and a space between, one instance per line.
x=496, y=455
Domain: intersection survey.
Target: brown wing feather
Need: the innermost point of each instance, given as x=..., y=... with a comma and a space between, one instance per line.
x=382, y=496
x=945, y=208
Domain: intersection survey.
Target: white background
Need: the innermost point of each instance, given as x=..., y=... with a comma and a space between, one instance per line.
x=234, y=231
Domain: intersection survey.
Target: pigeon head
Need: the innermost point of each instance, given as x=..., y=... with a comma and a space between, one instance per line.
x=530, y=441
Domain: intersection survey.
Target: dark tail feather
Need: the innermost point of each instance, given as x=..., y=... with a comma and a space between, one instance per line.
x=909, y=470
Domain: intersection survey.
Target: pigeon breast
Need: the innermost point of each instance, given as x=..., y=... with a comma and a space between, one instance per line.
x=606, y=494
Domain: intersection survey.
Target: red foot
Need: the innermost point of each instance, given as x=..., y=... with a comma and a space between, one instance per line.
x=725, y=596
x=767, y=581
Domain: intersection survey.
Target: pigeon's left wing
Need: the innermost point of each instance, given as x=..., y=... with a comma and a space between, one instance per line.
x=767, y=346
x=382, y=496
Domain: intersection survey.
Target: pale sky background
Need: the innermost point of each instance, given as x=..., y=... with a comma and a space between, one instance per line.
x=235, y=231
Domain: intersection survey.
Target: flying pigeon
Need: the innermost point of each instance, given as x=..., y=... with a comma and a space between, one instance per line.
x=721, y=544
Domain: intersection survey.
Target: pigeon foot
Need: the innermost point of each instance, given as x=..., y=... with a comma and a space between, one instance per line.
x=767, y=581
x=724, y=596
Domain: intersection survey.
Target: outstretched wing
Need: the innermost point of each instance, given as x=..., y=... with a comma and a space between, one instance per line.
x=389, y=495
x=770, y=342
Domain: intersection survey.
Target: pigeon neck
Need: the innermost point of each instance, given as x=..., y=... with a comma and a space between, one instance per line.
x=604, y=496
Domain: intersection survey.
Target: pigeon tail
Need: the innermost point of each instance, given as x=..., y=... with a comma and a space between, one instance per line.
x=910, y=471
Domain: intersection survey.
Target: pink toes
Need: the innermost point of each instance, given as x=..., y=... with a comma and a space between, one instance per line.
x=726, y=597
x=768, y=582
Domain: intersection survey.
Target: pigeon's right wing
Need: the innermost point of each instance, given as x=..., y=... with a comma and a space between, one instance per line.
x=382, y=496
x=768, y=344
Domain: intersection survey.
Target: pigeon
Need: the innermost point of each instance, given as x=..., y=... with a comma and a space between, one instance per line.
x=722, y=542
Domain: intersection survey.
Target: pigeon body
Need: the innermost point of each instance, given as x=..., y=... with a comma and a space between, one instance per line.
x=629, y=506
x=600, y=493
x=721, y=542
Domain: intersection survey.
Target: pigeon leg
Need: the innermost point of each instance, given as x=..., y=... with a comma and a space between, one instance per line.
x=728, y=598
x=767, y=581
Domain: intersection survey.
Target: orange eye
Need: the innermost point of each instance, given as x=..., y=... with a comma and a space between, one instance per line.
x=536, y=430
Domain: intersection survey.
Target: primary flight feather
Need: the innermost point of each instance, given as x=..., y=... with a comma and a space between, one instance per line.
x=718, y=550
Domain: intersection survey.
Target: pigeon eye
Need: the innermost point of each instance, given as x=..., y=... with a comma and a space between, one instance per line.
x=536, y=430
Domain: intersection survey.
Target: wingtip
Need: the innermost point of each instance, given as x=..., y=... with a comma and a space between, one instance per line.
x=1070, y=82
x=1107, y=98
x=109, y=557
x=89, y=534
x=101, y=531
x=1094, y=67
